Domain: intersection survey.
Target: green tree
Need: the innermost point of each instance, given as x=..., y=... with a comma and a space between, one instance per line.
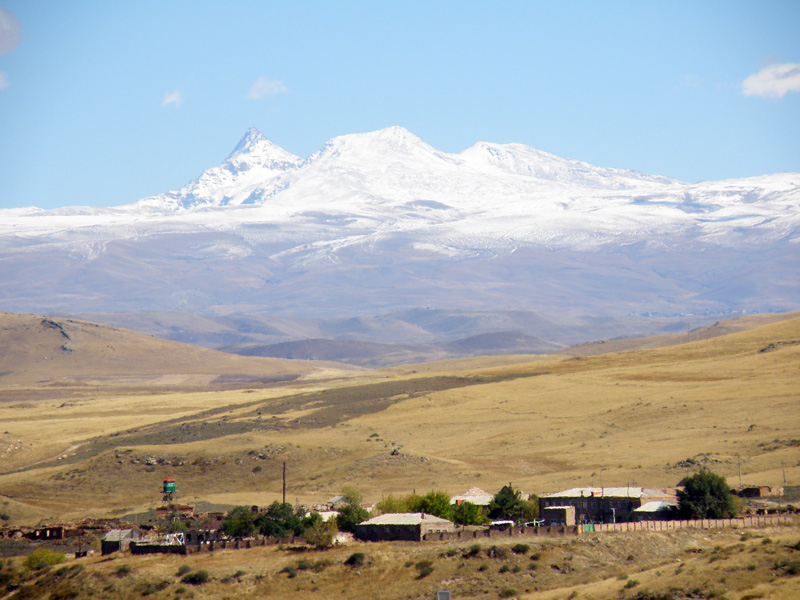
x=350, y=516
x=468, y=513
x=282, y=520
x=352, y=513
x=706, y=495
x=509, y=504
x=240, y=522
x=436, y=503
x=393, y=504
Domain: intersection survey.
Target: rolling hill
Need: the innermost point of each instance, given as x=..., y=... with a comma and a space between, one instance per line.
x=544, y=423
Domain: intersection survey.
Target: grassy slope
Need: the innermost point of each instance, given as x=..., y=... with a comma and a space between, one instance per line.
x=737, y=565
x=543, y=423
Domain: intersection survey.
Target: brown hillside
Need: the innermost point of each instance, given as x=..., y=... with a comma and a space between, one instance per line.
x=37, y=351
x=718, y=329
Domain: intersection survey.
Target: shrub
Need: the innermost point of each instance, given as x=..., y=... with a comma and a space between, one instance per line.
x=474, y=550
x=533, y=566
x=123, y=571
x=356, y=559
x=290, y=571
x=483, y=567
x=630, y=583
x=196, y=578
x=520, y=548
x=42, y=557
x=536, y=556
x=183, y=570
x=452, y=552
x=424, y=572
x=507, y=593
x=496, y=552
x=505, y=569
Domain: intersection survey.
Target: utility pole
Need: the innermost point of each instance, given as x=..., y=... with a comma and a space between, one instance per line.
x=740, y=471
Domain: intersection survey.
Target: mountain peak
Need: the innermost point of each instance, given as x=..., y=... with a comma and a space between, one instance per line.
x=255, y=144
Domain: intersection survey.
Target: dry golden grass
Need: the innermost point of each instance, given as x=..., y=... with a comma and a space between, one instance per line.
x=542, y=423
x=734, y=564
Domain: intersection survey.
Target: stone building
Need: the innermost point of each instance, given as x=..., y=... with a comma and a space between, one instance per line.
x=402, y=526
x=605, y=504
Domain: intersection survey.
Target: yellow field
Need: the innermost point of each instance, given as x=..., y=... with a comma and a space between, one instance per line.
x=541, y=423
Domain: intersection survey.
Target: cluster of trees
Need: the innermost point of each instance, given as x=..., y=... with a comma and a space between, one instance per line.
x=705, y=496
x=507, y=504
x=284, y=520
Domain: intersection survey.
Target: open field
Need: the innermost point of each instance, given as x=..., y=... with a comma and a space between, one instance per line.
x=543, y=423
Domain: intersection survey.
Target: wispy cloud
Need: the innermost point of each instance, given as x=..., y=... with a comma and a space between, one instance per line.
x=774, y=81
x=264, y=87
x=3, y=80
x=173, y=97
x=10, y=32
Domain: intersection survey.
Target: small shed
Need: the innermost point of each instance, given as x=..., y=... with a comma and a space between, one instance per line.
x=118, y=539
x=402, y=526
x=559, y=515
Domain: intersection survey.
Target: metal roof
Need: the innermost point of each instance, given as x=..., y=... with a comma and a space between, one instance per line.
x=606, y=492
x=404, y=519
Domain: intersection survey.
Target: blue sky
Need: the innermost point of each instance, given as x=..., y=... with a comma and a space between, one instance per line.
x=104, y=103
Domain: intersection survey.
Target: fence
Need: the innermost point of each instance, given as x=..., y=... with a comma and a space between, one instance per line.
x=561, y=530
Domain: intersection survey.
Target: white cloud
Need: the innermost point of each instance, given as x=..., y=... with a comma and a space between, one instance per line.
x=10, y=32
x=773, y=81
x=3, y=80
x=173, y=97
x=264, y=87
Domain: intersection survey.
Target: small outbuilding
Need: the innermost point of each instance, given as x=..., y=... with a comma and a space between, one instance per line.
x=118, y=539
x=402, y=526
x=558, y=515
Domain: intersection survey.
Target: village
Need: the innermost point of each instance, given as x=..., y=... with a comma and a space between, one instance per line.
x=175, y=528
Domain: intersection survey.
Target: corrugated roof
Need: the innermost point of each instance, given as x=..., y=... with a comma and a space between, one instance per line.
x=588, y=492
x=119, y=535
x=610, y=492
x=404, y=519
x=655, y=506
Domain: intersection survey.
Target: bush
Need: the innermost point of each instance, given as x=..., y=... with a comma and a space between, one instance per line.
x=196, y=578
x=183, y=570
x=507, y=593
x=356, y=559
x=321, y=534
x=474, y=550
x=483, y=567
x=240, y=522
x=290, y=571
x=520, y=548
x=424, y=572
x=505, y=569
x=42, y=557
x=706, y=496
x=123, y=571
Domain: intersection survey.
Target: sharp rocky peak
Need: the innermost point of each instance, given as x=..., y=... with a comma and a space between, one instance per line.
x=256, y=144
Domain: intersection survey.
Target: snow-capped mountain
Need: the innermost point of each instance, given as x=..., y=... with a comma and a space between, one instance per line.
x=382, y=220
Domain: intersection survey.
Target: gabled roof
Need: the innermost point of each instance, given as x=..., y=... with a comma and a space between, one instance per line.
x=404, y=519
x=605, y=492
x=119, y=535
